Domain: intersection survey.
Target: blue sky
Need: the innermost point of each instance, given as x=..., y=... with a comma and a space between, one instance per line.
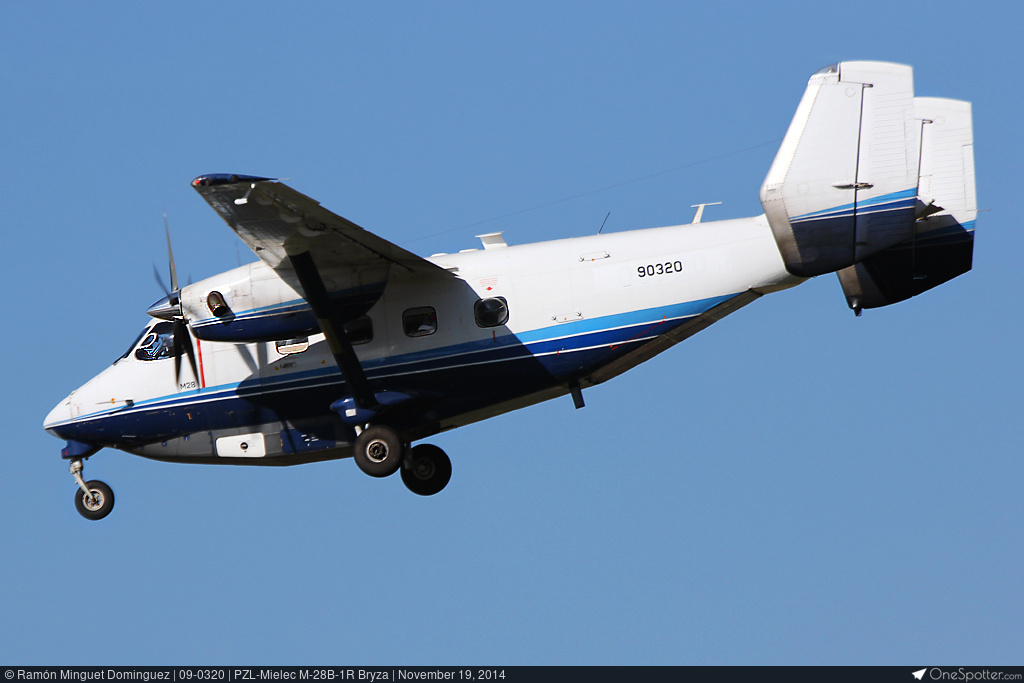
x=792, y=486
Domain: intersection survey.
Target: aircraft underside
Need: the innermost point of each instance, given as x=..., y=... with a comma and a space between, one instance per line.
x=291, y=422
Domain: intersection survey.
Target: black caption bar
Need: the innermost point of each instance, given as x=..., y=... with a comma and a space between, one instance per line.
x=502, y=674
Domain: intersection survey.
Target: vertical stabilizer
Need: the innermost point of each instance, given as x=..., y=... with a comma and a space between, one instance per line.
x=843, y=185
x=942, y=245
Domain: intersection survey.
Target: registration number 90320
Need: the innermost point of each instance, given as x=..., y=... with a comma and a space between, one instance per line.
x=655, y=269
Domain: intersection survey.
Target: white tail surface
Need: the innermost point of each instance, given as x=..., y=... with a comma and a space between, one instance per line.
x=947, y=158
x=843, y=185
x=942, y=245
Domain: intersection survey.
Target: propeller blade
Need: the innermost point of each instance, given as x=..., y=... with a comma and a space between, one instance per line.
x=168, y=308
x=177, y=349
x=191, y=357
x=170, y=256
x=182, y=343
x=177, y=366
x=160, y=280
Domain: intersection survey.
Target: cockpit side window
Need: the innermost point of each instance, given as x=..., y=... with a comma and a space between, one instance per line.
x=131, y=348
x=158, y=343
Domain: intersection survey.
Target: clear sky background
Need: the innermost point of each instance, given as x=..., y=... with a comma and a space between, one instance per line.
x=792, y=486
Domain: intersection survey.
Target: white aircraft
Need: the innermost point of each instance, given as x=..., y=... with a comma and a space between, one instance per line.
x=339, y=343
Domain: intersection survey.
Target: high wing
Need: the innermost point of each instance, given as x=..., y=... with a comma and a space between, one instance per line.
x=276, y=221
x=342, y=269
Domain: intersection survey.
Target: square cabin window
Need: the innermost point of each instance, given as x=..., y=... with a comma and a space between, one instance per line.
x=419, y=322
x=360, y=330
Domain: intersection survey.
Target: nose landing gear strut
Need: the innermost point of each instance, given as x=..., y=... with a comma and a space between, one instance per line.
x=94, y=499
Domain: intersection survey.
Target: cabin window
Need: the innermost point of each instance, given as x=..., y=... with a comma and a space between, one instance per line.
x=157, y=344
x=287, y=347
x=491, y=312
x=419, y=322
x=360, y=330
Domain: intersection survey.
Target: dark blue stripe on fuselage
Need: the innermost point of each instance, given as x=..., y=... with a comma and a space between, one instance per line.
x=468, y=376
x=286, y=323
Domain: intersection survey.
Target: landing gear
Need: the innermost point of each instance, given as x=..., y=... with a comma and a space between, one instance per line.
x=379, y=451
x=93, y=499
x=427, y=470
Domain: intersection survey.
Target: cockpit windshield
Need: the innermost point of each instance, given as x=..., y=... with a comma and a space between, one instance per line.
x=158, y=343
x=153, y=343
x=131, y=348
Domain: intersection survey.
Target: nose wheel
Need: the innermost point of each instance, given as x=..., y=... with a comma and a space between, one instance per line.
x=94, y=499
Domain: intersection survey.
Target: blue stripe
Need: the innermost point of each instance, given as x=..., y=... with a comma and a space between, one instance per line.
x=156, y=423
x=294, y=306
x=608, y=337
x=898, y=200
x=608, y=322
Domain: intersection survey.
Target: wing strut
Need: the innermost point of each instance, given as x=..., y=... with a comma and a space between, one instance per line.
x=334, y=331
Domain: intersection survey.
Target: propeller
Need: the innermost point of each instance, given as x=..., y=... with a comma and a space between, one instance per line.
x=183, y=342
x=169, y=308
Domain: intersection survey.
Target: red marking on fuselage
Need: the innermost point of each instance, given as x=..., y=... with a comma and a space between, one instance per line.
x=202, y=373
x=638, y=334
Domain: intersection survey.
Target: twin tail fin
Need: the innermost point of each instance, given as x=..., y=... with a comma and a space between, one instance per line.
x=875, y=184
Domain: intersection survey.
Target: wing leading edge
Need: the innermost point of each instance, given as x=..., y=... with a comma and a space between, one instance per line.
x=277, y=221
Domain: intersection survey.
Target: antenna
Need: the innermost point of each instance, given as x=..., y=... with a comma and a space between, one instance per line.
x=603, y=222
x=700, y=210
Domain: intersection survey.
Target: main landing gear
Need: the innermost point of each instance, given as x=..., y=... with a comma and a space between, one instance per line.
x=426, y=470
x=93, y=499
x=380, y=452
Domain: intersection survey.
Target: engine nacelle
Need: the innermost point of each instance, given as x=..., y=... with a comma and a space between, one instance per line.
x=251, y=303
x=257, y=303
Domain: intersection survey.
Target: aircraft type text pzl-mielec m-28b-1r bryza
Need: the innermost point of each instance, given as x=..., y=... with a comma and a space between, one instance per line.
x=339, y=343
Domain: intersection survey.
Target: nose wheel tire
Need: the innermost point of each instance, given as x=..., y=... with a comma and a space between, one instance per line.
x=427, y=471
x=98, y=503
x=379, y=451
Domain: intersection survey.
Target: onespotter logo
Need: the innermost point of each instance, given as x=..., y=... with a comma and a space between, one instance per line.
x=936, y=674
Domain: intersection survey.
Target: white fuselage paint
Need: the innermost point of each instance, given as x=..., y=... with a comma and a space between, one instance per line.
x=554, y=290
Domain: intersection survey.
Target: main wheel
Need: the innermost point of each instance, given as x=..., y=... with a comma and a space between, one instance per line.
x=98, y=504
x=428, y=470
x=379, y=451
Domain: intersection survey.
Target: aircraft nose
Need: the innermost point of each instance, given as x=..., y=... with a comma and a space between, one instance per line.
x=60, y=413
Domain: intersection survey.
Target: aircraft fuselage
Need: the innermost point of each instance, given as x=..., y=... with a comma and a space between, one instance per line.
x=577, y=309
x=340, y=343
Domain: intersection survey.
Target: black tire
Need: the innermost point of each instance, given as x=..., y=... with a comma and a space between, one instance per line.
x=101, y=504
x=428, y=471
x=379, y=451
